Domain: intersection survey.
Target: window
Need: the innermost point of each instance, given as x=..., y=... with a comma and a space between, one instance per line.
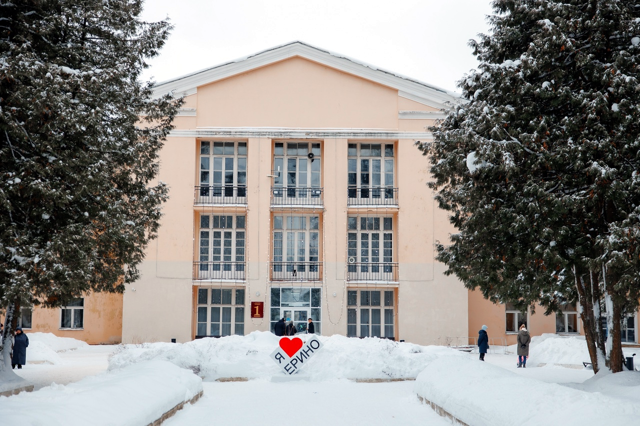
x=297, y=167
x=370, y=248
x=296, y=247
x=628, y=329
x=24, y=320
x=514, y=318
x=370, y=171
x=373, y=316
x=299, y=304
x=223, y=169
x=567, y=320
x=220, y=312
x=72, y=315
x=222, y=245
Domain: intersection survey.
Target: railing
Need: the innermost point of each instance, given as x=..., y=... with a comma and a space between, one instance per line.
x=372, y=196
x=232, y=271
x=220, y=194
x=295, y=195
x=365, y=271
x=296, y=271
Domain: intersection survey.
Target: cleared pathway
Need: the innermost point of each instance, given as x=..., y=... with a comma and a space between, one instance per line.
x=265, y=403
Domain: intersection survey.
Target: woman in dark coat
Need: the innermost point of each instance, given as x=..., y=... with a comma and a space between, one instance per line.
x=483, y=342
x=20, y=343
x=523, y=346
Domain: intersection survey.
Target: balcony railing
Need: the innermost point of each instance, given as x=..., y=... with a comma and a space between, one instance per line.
x=296, y=271
x=379, y=196
x=365, y=271
x=296, y=196
x=230, y=271
x=220, y=194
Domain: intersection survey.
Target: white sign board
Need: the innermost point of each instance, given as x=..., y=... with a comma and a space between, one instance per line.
x=293, y=354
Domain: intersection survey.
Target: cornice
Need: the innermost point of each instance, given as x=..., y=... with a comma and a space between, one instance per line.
x=407, y=87
x=296, y=133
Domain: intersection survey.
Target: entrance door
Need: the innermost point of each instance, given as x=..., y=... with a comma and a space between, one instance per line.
x=298, y=315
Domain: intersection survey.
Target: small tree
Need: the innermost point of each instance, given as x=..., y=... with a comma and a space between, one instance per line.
x=77, y=166
x=540, y=167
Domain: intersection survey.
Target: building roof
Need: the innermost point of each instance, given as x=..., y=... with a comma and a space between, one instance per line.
x=407, y=87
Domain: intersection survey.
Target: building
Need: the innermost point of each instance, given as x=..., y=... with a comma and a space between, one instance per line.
x=295, y=181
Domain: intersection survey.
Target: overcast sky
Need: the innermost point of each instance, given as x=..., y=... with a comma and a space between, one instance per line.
x=423, y=39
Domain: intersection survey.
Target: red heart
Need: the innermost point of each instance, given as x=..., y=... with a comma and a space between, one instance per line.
x=290, y=346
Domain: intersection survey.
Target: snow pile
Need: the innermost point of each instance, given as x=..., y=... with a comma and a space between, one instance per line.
x=480, y=394
x=623, y=385
x=554, y=349
x=57, y=344
x=134, y=396
x=249, y=356
x=40, y=353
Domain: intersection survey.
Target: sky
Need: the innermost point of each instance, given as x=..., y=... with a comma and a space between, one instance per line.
x=426, y=40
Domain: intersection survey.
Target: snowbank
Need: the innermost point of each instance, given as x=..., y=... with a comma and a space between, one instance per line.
x=249, y=356
x=39, y=353
x=481, y=394
x=134, y=396
x=554, y=349
x=624, y=385
x=55, y=343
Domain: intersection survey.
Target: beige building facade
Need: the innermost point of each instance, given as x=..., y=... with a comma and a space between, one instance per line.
x=295, y=182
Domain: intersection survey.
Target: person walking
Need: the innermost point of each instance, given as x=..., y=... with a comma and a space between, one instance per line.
x=483, y=342
x=291, y=329
x=279, y=328
x=311, y=328
x=20, y=343
x=523, y=346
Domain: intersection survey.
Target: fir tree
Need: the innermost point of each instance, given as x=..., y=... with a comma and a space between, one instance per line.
x=540, y=167
x=79, y=143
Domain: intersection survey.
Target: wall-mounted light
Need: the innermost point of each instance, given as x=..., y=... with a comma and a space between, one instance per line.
x=335, y=294
x=257, y=293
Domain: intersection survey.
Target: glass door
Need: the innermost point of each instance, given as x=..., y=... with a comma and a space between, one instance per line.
x=299, y=317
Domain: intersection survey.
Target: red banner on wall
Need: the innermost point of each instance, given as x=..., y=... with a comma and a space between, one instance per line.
x=257, y=309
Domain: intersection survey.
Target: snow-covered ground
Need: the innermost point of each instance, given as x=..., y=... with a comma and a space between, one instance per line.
x=494, y=392
x=62, y=360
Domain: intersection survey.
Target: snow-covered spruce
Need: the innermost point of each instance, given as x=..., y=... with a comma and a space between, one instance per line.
x=77, y=161
x=539, y=167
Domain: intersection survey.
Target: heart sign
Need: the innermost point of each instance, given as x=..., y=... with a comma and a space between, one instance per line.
x=294, y=354
x=290, y=346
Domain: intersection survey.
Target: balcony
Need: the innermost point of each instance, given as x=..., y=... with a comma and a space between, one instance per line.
x=376, y=197
x=219, y=271
x=296, y=271
x=373, y=272
x=214, y=195
x=295, y=196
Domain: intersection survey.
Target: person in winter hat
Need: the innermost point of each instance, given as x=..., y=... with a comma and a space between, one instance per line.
x=483, y=342
x=291, y=329
x=523, y=346
x=311, y=328
x=279, y=328
x=20, y=343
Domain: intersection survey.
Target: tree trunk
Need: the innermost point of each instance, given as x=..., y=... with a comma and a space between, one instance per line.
x=6, y=342
x=616, y=356
x=589, y=313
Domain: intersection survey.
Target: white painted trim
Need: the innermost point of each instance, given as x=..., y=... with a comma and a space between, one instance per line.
x=421, y=115
x=297, y=133
x=186, y=112
x=407, y=87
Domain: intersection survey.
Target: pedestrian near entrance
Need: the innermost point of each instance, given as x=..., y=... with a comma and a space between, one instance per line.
x=311, y=329
x=279, y=327
x=523, y=346
x=291, y=329
x=483, y=342
x=20, y=343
